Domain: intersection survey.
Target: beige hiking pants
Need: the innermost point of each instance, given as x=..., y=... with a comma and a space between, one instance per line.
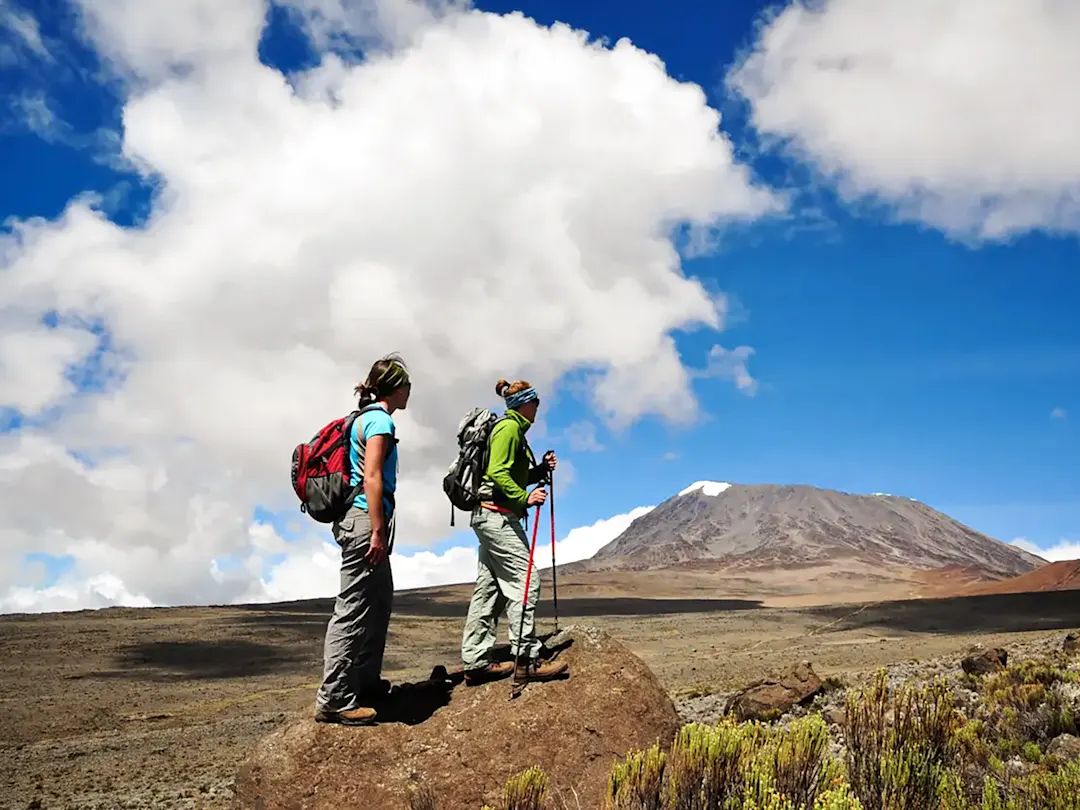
x=500, y=584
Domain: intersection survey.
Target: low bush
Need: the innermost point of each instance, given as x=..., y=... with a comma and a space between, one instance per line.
x=909, y=748
x=900, y=746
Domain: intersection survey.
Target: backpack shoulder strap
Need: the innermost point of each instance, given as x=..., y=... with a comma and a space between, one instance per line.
x=375, y=407
x=350, y=422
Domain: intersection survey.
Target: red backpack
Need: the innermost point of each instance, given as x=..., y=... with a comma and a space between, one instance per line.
x=321, y=470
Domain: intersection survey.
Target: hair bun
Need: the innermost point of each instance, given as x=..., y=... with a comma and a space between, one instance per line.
x=500, y=388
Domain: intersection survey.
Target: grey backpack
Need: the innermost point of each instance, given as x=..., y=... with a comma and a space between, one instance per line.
x=462, y=481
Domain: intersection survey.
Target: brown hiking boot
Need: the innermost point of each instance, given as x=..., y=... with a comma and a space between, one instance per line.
x=492, y=672
x=536, y=671
x=360, y=716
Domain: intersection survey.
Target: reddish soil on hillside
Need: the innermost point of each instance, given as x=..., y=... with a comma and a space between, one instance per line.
x=951, y=580
x=1058, y=576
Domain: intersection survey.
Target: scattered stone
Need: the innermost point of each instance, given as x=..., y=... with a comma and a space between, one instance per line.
x=984, y=661
x=1064, y=747
x=834, y=716
x=704, y=709
x=1017, y=768
x=1071, y=644
x=967, y=701
x=770, y=698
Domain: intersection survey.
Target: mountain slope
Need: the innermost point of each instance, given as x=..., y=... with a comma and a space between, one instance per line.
x=1057, y=576
x=771, y=526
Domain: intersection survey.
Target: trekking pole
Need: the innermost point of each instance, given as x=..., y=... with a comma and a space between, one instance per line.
x=554, y=579
x=515, y=686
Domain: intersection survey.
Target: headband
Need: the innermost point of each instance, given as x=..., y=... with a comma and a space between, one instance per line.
x=393, y=377
x=522, y=397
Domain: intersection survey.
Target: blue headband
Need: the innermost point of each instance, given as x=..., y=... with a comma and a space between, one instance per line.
x=523, y=397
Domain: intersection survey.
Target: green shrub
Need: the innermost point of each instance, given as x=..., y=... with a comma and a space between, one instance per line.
x=706, y=765
x=864, y=729
x=423, y=798
x=838, y=798
x=637, y=782
x=1059, y=790
x=911, y=779
x=833, y=683
x=1019, y=709
x=907, y=749
x=729, y=766
x=899, y=750
x=526, y=790
x=801, y=763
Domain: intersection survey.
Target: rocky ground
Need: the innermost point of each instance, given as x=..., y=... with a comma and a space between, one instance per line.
x=157, y=708
x=829, y=701
x=797, y=692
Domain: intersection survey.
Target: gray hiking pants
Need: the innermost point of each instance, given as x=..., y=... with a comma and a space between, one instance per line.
x=356, y=634
x=500, y=585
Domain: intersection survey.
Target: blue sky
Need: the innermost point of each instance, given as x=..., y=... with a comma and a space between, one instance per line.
x=889, y=355
x=891, y=358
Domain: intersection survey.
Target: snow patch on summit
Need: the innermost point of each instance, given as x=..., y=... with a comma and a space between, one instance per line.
x=890, y=495
x=710, y=488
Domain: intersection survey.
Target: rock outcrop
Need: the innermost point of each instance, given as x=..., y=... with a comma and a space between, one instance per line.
x=769, y=698
x=983, y=662
x=465, y=750
x=1071, y=644
x=1064, y=747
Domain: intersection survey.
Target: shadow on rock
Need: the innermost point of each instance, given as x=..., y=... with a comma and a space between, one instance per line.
x=414, y=703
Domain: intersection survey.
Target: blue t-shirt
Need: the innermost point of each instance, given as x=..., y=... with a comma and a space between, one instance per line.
x=373, y=423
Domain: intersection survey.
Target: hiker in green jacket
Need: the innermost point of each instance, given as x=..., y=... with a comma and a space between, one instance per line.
x=504, y=547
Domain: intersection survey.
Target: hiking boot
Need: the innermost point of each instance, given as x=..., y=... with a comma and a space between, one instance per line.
x=534, y=670
x=491, y=672
x=360, y=716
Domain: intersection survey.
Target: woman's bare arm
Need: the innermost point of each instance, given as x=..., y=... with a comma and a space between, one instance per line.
x=375, y=452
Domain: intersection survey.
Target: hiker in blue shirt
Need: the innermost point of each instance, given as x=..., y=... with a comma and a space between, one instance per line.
x=356, y=635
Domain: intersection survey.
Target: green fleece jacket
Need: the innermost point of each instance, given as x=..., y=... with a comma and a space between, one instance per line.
x=511, y=465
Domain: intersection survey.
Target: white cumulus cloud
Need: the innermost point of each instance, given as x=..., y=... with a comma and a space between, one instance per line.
x=275, y=570
x=498, y=199
x=1063, y=550
x=962, y=115
x=732, y=364
x=98, y=591
x=582, y=543
x=582, y=437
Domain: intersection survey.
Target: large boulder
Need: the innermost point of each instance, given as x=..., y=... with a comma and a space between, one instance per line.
x=465, y=750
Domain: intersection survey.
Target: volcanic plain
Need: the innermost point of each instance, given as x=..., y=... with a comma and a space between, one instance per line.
x=156, y=708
